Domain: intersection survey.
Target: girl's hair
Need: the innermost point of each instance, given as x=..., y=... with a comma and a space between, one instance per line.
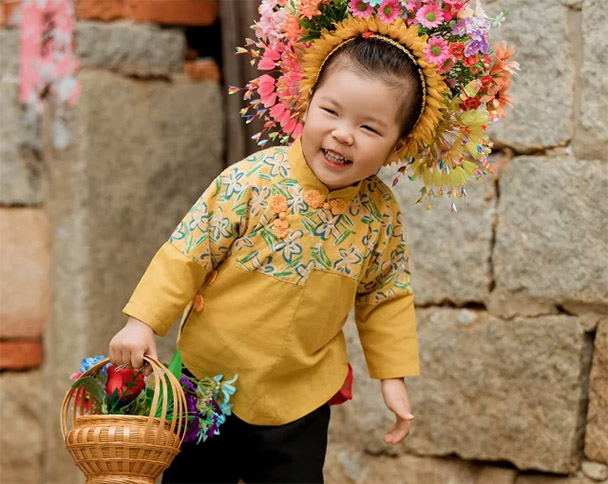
x=378, y=59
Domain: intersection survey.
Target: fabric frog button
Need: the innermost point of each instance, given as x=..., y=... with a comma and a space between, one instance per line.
x=280, y=226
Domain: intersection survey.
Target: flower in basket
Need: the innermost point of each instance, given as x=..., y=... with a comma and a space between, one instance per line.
x=129, y=392
x=127, y=383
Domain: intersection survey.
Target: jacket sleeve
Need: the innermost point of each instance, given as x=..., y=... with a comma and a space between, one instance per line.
x=197, y=246
x=384, y=305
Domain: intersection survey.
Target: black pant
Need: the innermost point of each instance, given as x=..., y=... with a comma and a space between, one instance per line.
x=294, y=452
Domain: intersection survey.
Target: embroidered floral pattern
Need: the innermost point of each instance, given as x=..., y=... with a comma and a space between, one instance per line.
x=257, y=213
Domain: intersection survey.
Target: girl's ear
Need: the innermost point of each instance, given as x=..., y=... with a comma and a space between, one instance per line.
x=401, y=142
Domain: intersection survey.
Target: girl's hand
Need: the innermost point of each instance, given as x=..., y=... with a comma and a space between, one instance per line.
x=131, y=343
x=397, y=401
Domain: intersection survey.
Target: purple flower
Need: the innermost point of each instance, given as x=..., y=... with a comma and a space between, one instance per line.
x=475, y=46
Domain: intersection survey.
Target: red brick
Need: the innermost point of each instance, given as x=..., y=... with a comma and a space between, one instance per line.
x=174, y=12
x=202, y=70
x=24, y=272
x=20, y=355
x=104, y=10
x=8, y=12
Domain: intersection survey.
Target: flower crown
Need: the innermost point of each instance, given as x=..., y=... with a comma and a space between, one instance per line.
x=464, y=80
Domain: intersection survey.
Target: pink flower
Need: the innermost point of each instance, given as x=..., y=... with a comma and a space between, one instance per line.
x=268, y=60
x=412, y=5
x=446, y=66
x=430, y=15
x=437, y=51
x=268, y=96
x=389, y=10
x=360, y=8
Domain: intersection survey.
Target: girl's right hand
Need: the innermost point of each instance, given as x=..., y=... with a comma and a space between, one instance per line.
x=130, y=344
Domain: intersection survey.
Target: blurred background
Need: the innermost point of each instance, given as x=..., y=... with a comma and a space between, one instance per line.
x=103, y=151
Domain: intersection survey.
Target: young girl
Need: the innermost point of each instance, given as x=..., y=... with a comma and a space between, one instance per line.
x=282, y=245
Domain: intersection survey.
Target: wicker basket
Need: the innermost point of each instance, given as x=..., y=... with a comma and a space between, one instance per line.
x=126, y=449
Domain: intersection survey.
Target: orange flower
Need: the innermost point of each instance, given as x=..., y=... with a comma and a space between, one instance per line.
x=338, y=206
x=503, y=53
x=278, y=203
x=313, y=198
x=198, y=303
x=498, y=98
x=292, y=28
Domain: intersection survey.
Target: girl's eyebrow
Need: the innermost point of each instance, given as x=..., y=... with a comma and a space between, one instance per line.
x=367, y=118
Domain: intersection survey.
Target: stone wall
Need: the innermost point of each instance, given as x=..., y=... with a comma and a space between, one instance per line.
x=511, y=291
x=78, y=226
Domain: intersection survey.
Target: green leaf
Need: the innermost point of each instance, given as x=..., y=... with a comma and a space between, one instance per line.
x=93, y=386
x=175, y=367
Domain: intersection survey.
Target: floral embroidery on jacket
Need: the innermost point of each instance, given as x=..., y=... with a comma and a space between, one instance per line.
x=257, y=211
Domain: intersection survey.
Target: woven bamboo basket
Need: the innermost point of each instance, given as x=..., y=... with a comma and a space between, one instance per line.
x=126, y=449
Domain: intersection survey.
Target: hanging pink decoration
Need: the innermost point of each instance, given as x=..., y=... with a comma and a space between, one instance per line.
x=48, y=65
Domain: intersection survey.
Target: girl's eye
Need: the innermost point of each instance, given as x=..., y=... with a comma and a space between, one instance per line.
x=328, y=110
x=368, y=128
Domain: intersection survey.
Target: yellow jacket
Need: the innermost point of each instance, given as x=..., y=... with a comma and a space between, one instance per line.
x=273, y=262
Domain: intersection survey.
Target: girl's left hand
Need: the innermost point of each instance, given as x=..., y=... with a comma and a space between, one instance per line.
x=397, y=401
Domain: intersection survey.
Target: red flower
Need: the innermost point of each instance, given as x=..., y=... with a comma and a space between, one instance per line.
x=456, y=51
x=486, y=82
x=471, y=61
x=471, y=103
x=128, y=382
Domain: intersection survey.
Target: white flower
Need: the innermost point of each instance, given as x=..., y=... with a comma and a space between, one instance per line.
x=500, y=18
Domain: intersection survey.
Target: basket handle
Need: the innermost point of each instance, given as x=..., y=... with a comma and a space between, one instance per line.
x=162, y=376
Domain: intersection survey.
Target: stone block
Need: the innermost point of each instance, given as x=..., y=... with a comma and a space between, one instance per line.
x=596, y=436
x=114, y=197
x=449, y=251
x=594, y=106
x=20, y=169
x=24, y=272
x=21, y=413
x=542, y=91
x=20, y=355
x=134, y=50
x=346, y=463
x=489, y=389
x=551, y=236
x=9, y=55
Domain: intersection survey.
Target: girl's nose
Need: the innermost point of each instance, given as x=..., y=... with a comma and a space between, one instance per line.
x=343, y=135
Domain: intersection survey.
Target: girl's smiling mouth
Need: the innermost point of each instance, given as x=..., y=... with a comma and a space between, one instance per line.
x=334, y=159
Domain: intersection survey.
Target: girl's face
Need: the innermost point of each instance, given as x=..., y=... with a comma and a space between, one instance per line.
x=351, y=128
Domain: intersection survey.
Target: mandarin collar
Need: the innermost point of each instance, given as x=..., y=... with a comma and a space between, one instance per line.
x=309, y=181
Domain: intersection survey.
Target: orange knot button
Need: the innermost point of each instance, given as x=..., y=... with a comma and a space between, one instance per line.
x=313, y=198
x=211, y=278
x=198, y=303
x=280, y=228
x=338, y=206
x=278, y=203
